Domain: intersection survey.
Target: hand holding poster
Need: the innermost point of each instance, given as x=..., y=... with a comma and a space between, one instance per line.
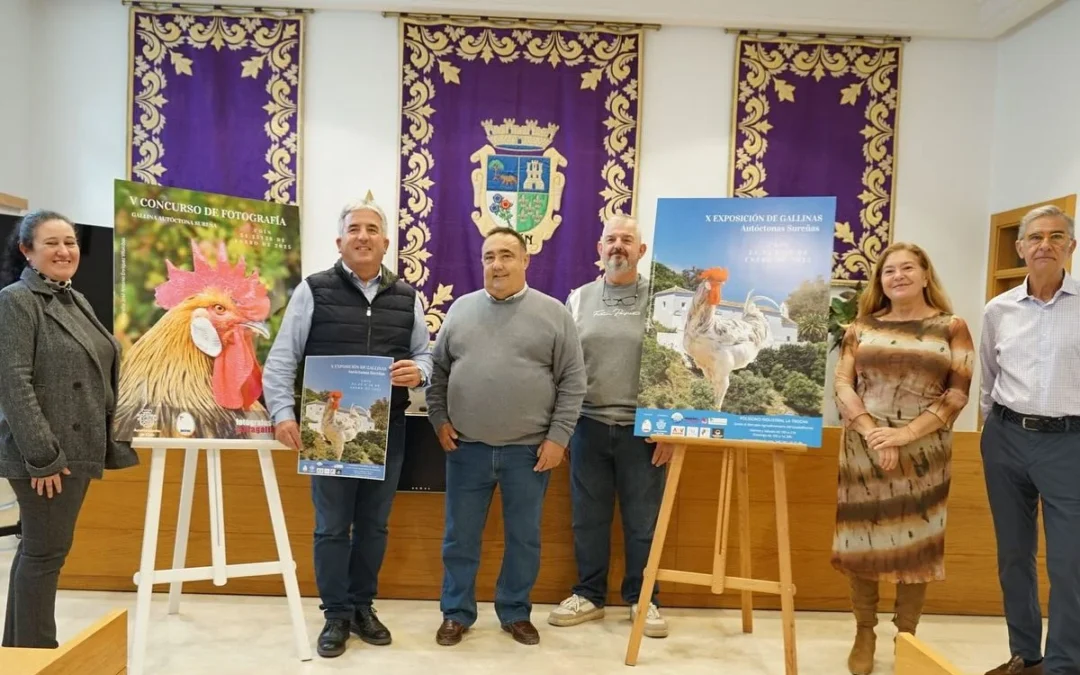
x=345, y=416
x=202, y=281
x=736, y=341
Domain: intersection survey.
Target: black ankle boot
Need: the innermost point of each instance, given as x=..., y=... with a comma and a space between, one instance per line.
x=367, y=626
x=333, y=637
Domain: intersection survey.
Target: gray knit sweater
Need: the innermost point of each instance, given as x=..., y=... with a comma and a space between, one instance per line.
x=508, y=372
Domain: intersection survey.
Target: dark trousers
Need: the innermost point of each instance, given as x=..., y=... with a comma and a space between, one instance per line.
x=472, y=472
x=1021, y=467
x=606, y=461
x=48, y=528
x=350, y=530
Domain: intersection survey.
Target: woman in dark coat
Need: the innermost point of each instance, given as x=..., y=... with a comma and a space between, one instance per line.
x=59, y=370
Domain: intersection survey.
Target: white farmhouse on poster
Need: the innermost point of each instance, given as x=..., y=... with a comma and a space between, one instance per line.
x=354, y=420
x=671, y=305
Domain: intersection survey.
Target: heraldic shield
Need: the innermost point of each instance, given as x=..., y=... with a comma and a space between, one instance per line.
x=517, y=183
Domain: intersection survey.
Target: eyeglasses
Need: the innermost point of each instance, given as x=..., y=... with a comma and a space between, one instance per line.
x=628, y=301
x=1057, y=239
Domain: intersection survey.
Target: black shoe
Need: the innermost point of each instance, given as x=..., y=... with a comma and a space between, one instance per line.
x=368, y=627
x=333, y=637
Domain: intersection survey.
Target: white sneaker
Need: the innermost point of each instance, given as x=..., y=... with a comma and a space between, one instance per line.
x=655, y=625
x=575, y=610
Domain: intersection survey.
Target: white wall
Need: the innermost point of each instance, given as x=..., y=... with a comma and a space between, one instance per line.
x=351, y=125
x=685, y=118
x=946, y=122
x=351, y=132
x=15, y=20
x=350, y=118
x=1037, y=127
x=80, y=94
x=946, y=135
x=351, y=129
x=15, y=57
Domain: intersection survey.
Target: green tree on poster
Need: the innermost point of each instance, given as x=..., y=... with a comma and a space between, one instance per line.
x=378, y=411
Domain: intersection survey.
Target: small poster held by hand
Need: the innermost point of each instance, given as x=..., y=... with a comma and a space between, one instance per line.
x=345, y=416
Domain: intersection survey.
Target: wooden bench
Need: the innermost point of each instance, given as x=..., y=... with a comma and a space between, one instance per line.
x=101, y=649
x=913, y=657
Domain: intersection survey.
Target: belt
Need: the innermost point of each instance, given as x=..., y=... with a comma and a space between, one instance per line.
x=1052, y=425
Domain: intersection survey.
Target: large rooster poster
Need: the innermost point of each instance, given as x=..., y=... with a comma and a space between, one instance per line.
x=202, y=281
x=345, y=416
x=736, y=341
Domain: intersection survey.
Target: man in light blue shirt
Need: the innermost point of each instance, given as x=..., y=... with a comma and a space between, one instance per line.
x=357, y=307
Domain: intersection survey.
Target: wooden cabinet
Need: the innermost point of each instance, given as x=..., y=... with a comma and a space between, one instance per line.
x=12, y=204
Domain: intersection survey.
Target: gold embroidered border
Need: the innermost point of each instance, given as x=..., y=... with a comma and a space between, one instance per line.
x=609, y=51
x=270, y=37
x=877, y=88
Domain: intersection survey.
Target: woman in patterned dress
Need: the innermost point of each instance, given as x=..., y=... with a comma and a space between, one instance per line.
x=903, y=377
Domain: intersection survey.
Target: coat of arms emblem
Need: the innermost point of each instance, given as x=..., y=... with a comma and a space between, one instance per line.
x=518, y=184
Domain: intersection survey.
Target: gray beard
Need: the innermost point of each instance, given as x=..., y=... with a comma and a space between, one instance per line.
x=616, y=264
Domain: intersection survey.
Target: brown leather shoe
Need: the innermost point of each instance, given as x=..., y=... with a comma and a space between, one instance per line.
x=1015, y=666
x=449, y=633
x=523, y=632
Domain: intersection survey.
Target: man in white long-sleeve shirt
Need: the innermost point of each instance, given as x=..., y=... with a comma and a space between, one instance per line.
x=1030, y=354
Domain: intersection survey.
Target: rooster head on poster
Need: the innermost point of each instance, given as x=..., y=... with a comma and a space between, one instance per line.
x=219, y=307
x=333, y=399
x=715, y=278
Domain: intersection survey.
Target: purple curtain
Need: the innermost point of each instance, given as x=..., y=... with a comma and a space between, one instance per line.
x=215, y=103
x=819, y=118
x=515, y=126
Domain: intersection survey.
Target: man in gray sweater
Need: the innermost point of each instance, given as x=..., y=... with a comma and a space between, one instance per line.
x=505, y=394
x=606, y=458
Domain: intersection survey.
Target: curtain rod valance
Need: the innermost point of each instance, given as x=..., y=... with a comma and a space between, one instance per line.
x=760, y=34
x=197, y=8
x=583, y=25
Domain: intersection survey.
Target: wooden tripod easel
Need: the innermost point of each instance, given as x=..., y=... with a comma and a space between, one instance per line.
x=734, y=460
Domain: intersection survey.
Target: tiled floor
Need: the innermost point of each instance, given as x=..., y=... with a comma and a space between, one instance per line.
x=226, y=635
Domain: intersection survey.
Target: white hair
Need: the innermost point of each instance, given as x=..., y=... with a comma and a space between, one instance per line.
x=1047, y=211
x=621, y=219
x=360, y=205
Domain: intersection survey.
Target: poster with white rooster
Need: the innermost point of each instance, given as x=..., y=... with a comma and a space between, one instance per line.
x=345, y=416
x=736, y=341
x=201, y=285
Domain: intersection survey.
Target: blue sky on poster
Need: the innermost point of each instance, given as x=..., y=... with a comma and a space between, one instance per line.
x=709, y=232
x=361, y=380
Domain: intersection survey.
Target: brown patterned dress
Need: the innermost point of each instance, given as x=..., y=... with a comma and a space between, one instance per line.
x=891, y=526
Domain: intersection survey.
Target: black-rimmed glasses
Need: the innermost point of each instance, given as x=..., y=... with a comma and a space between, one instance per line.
x=628, y=301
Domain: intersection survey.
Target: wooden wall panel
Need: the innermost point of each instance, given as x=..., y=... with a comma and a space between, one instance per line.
x=109, y=536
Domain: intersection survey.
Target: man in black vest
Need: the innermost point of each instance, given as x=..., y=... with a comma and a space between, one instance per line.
x=357, y=307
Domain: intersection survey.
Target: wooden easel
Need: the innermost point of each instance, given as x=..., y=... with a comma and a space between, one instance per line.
x=734, y=460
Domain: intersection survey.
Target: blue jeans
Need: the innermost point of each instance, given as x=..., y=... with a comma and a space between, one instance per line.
x=472, y=472
x=606, y=461
x=347, y=568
